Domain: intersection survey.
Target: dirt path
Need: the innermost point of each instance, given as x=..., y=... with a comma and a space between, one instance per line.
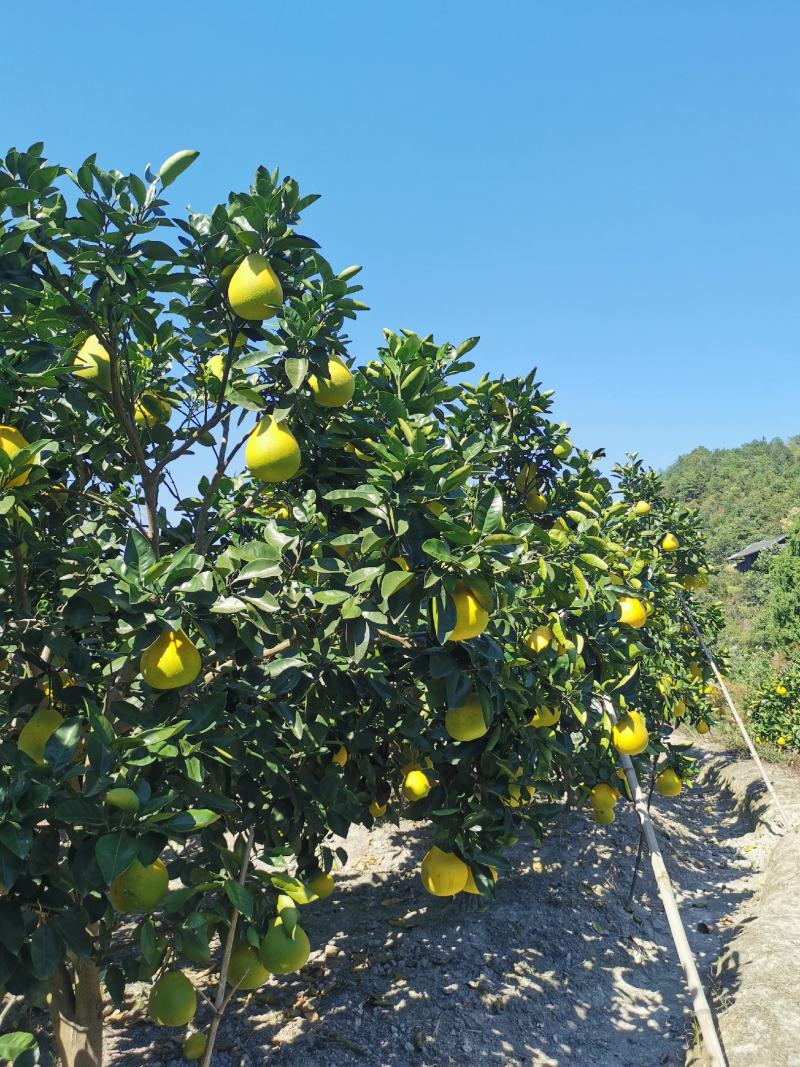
x=756, y=977
x=554, y=972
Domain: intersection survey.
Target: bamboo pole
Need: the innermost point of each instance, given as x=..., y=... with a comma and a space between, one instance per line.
x=736, y=716
x=628, y=905
x=702, y=1009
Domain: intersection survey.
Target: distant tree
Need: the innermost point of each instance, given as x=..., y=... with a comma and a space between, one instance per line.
x=781, y=612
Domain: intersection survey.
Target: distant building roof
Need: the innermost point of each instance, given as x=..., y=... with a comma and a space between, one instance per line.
x=744, y=559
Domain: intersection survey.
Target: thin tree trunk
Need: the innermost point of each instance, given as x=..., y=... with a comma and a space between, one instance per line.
x=222, y=998
x=76, y=1012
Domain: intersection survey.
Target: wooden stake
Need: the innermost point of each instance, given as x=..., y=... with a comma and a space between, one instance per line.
x=702, y=1009
x=736, y=716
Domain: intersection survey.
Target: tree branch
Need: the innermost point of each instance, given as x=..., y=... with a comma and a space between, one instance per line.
x=200, y=538
x=221, y=1001
x=121, y=410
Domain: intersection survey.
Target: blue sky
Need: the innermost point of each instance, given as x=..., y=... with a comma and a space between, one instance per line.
x=607, y=191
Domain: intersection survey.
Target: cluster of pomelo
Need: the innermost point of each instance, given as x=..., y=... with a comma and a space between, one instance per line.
x=416, y=593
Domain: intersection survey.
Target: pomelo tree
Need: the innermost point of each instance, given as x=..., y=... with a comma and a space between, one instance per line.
x=389, y=591
x=773, y=710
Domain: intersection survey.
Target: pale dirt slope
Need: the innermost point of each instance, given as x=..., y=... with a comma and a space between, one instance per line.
x=555, y=972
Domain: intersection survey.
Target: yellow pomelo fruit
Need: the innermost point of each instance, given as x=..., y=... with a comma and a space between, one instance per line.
x=282, y=953
x=335, y=390
x=215, y=366
x=151, y=409
x=632, y=611
x=139, y=888
x=641, y=507
x=12, y=442
x=254, y=291
x=539, y=640
x=702, y=727
x=37, y=731
x=668, y=784
x=171, y=661
x=470, y=886
x=528, y=478
x=781, y=741
x=629, y=736
x=544, y=716
x=93, y=363
x=322, y=884
x=604, y=816
x=194, y=1047
x=781, y=690
x=272, y=453
x=123, y=798
x=376, y=810
x=416, y=785
x=466, y=723
x=173, y=1001
x=563, y=450
x=535, y=502
x=246, y=971
x=604, y=796
x=340, y=756
x=670, y=543
x=443, y=874
x=471, y=617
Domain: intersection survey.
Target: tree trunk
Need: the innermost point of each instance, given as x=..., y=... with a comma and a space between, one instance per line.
x=76, y=1011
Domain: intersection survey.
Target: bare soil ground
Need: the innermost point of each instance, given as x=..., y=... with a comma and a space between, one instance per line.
x=554, y=972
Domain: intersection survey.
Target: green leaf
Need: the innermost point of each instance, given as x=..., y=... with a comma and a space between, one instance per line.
x=437, y=549
x=241, y=898
x=593, y=561
x=331, y=596
x=361, y=497
x=62, y=745
x=47, y=951
x=296, y=371
x=393, y=581
x=12, y=927
x=78, y=612
x=71, y=927
x=13, y=1045
x=228, y=605
x=188, y=821
x=177, y=163
x=489, y=511
x=115, y=853
x=139, y=555
x=259, y=568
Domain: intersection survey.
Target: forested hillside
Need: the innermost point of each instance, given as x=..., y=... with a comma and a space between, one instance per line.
x=742, y=494
x=745, y=494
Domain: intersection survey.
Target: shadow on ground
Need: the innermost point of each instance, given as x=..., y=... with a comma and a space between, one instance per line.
x=554, y=972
